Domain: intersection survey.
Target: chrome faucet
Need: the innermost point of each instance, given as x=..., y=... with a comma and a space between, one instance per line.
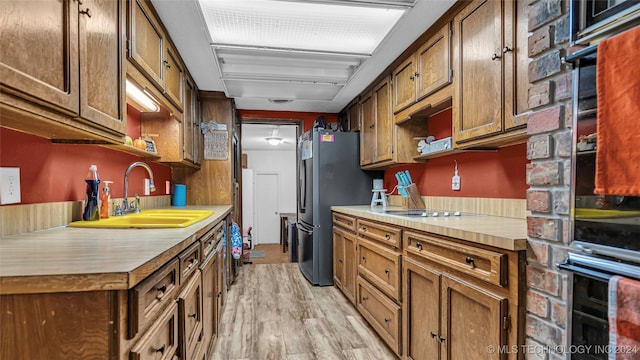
x=135, y=205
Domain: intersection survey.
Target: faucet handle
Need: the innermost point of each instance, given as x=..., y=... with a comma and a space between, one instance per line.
x=135, y=204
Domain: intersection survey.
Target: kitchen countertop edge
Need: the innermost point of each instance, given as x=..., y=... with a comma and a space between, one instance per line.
x=19, y=276
x=499, y=232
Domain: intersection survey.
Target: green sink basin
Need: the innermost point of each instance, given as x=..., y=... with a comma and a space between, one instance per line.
x=149, y=219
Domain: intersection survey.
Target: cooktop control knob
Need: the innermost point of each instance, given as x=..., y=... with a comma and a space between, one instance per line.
x=446, y=213
x=457, y=213
x=435, y=214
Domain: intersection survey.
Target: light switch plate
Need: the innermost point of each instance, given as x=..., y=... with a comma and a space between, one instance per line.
x=9, y=185
x=147, y=185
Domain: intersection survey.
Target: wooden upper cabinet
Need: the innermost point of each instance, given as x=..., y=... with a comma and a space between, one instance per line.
x=353, y=116
x=102, y=91
x=187, y=121
x=490, y=58
x=174, y=78
x=383, y=124
x=80, y=75
x=423, y=72
x=151, y=51
x=29, y=30
x=368, y=131
x=146, y=42
x=433, y=61
x=404, y=84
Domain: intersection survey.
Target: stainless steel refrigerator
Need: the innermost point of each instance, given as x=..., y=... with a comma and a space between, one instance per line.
x=329, y=174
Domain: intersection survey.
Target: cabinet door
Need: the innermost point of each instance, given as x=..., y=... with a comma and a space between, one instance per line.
x=39, y=57
x=434, y=63
x=209, y=282
x=338, y=258
x=420, y=311
x=350, y=267
x=198, y=138
x=353, y=116
x=174, y=77
x=102, y=99
x=478, y=91
x=190, y=317
x=404, y=84
x=220, y=287
x=146, y=42
x=472, y=319
x=187, y=121
x=516, y=65
x=368, y=131
x=384, y=126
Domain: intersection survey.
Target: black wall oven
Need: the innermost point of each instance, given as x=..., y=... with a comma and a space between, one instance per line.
x=605, y=228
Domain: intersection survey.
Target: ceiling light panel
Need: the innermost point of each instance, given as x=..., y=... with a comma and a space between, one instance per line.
x=299, y=25
x=281, y=90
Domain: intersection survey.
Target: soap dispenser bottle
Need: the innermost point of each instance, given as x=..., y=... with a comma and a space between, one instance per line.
x=91, y=210
x=105, y=200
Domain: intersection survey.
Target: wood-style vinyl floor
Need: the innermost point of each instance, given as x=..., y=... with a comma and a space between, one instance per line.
x=273, y=313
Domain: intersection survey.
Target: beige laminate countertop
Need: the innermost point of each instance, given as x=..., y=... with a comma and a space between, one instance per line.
x=500, y=232
x=82, y=259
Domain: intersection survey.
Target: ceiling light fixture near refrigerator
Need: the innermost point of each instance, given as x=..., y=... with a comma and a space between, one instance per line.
x=141, y=98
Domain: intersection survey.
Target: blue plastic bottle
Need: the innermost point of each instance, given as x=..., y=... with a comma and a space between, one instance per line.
x=91, y=209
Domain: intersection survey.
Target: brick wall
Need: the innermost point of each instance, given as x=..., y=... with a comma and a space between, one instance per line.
x=548, y=177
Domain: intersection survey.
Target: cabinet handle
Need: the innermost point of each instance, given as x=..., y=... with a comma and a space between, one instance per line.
x=387, y=236
x=85, y=12
x=194, y=316
x=387, y=271
x=166, y=64
x=412, y=77
x=433, y=335
x=364, y=258
x=161, y=290
x=441, y=339
x=340, y=261
x=386, y=320
x=364, y=228
x=470, y=261
x=495, y=57
x=219, y=294
x=419, y=245
x=161, y=349
x=372, y=126
x=506, y=49
x=365, y=298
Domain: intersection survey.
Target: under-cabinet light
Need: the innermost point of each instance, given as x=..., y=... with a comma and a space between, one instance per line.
x=141, y=97
x=274, y=140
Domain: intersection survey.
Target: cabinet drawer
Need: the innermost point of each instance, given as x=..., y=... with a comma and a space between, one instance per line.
x=189, y=261
x=380, y=266
x=149, y=297
x=210, y=239
x=161, y=341
x=487, y=265
x=382, y=313
x=190, y=315
x=378, y=232
x=344, y=221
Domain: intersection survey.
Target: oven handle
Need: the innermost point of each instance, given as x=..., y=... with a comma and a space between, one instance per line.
x=584, y=271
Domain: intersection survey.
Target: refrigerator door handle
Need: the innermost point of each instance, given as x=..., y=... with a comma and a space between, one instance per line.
x=302, y=200
x=305, y=228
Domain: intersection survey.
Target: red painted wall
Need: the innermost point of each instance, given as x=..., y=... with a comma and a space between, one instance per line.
x=56, y=172
x=308, y=117
x=488, y=174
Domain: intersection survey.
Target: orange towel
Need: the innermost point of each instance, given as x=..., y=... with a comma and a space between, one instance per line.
x=618, y=87
x=624, y=318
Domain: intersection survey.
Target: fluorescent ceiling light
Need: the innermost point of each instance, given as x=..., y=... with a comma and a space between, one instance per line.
x=347, y=28
x=141, y=97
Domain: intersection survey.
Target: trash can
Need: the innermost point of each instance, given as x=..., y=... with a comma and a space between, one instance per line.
x=292, y=240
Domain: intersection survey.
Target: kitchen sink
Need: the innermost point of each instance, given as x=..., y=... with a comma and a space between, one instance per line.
x=149, y=219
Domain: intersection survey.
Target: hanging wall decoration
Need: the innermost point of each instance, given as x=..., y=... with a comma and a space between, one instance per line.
x=216, y=139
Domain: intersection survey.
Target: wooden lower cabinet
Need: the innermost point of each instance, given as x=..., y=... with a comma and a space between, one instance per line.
x=344, y=255
x=383, y=314
x=166, y=316
x=161, y=341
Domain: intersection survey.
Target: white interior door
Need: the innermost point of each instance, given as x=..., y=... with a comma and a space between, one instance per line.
x=267, y=229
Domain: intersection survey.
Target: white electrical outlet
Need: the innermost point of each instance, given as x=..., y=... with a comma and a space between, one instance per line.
x=9, y=185
x=147, y=185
